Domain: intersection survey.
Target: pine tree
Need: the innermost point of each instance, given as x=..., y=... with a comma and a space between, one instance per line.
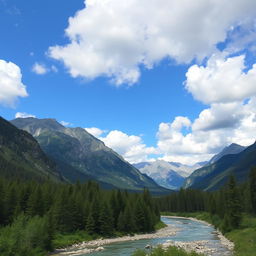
x=90, y=224
x=105, y=220
x=252, y=184
x=233, y=204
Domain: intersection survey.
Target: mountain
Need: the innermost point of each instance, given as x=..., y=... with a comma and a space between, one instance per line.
x=167, y=174
x=213, y=176
x=81, y=156
x=21, y=156
x=229, y=150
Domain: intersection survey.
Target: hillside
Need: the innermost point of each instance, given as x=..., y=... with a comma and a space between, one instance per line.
x=229, y=150
x=21, y=156
x=215, y=175
x=81, y=156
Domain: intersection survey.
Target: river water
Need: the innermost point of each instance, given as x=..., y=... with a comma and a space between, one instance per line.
x=189, y=230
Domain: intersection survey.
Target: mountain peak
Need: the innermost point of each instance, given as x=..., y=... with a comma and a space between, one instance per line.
x=81, y=156
x=229, y=150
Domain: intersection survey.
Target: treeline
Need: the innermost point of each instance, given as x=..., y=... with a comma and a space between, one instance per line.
x=31, y=214
x=226, y=206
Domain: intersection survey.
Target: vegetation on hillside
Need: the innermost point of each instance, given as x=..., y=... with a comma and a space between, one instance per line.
x=225, y=206
x=231, y=209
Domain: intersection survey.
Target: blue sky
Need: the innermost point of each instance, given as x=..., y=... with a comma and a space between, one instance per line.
x=151, y=80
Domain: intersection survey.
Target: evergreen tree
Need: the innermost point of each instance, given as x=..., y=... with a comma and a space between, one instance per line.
x=90, y=224
x=106, y=220
x=233, y=204
x=252, y=188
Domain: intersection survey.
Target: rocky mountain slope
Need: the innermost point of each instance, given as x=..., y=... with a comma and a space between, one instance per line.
x=21, y=156
x=215, y=175
x=229, y=150
x=167, y=174
x=81, y=156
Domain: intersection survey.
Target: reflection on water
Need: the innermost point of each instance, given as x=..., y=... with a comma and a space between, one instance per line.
x=190, y=230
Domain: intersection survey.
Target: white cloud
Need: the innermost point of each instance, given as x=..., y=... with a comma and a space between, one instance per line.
x=222, y=80
x=215, y=128
x=23, y=115
x=95, y=131
x=219, y=116
x=11, y=86
x=42, y=69
x=131, y=147
x=112, y=38
x=39, y=69
x=64, y=123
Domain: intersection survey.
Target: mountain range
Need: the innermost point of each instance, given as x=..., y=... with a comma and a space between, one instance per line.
x=80, y=156
x=215, y=174
x=40, y=149
x=229, y=150
x=167, y=174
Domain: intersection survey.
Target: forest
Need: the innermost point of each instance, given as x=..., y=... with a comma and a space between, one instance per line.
x=34, y=215
x=225, y=206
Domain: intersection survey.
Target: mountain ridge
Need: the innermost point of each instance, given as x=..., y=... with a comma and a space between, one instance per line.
x=76, y=148
x=22, y=157
x=215, y=175
x=167, y=174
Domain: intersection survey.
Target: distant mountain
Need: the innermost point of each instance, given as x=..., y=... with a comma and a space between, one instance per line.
x=231, y=149
x=215, y=175
x=81, y=156
x=167, y=174
x=21, y=156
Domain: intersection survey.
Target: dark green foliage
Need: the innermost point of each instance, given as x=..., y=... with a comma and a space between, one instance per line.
x=21, y=156
x=33, y=214
x=225, y=206
x=90, y=224
x=252, y=189
x=233, y=211
x=26, y=237
x=105, y=221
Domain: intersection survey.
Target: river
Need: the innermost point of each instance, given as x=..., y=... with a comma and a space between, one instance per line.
x=189, y=230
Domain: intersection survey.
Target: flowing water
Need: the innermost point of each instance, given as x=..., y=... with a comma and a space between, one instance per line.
x=189, y=230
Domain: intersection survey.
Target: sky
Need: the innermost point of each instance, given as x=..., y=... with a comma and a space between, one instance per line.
x=153, y=79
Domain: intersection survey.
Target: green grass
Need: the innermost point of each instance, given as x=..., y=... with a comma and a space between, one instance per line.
x=68, y=239
x=160, y=225
x=64, y=240
x=171, y=251
x=244, y=238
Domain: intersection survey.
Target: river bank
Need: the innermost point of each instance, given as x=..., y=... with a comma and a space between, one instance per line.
x=199, y=245
x=97, y=245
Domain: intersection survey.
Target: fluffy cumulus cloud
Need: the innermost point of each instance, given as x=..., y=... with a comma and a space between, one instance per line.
x=190, y=141
x=131, y=147
x=42, y=69
x=227, y=85
x=114, y=38
x=39, y=69
x=95, y=131
x=11, y=86
x=222, y=80
x=23, y=115
x=215, y=128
